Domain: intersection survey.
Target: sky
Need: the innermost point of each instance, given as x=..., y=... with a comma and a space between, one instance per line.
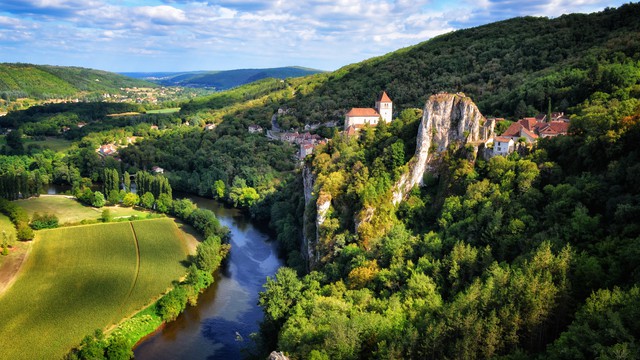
x=183, y=35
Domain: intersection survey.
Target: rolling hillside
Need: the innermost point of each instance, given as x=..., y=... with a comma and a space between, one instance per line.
x=510, y=68
x=45, y=81
x=222, y=80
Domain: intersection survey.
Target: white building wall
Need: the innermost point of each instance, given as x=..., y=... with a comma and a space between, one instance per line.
x=360, y=120
x=502, y=148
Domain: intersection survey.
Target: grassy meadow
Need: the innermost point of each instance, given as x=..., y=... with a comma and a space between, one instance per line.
x=50, y=142
x=69, y=210
x=78, y=279
x=163, y=111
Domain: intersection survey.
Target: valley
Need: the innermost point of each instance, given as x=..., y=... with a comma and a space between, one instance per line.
x=473, y=196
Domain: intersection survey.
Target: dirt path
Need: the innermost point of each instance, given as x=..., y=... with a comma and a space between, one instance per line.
x=12, y=263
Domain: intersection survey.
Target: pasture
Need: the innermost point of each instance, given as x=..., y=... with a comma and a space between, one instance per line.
x=163, y=111
x=52, y=143
x=68, y=210
x=78, y=279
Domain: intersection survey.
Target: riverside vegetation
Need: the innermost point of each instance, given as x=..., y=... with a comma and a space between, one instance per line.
x=530, y=256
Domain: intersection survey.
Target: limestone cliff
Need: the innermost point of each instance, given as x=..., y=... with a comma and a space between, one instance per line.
x=447, y=119
x=316, y=207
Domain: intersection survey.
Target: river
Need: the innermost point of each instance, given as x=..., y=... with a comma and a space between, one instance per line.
x=219, y=327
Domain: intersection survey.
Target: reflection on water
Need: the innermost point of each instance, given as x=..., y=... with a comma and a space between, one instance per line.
x=227, y=313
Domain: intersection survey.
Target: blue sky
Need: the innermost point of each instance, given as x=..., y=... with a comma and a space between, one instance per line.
x=179, y=35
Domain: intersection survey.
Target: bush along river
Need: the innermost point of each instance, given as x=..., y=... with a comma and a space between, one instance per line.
x=219, y=327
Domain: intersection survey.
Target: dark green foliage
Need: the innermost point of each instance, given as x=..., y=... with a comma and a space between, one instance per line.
x=44, y=221
x=210, y=253
x=172, y=304
x=19, y=218
x=511, y=257
x=605, y=327
x=111, y=185
x=119, y=349
x=205, y=222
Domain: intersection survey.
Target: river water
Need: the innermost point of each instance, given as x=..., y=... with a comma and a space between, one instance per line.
x=219, y=327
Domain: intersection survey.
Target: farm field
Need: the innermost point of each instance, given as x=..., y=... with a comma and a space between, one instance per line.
x=87, y=277
x=69, y=210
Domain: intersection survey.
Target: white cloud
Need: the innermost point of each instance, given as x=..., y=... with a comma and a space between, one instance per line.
x=219, y=34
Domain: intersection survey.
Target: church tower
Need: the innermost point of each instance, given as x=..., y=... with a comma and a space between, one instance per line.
x=384, y=106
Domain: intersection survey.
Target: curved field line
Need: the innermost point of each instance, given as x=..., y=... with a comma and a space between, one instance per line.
x=135, y=280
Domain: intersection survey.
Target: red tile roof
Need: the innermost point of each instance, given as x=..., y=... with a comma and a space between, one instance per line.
x=530, y=133
x=502, y=139
x=528, y=123
x=555, y=127
x=351, y=130
x=363, y=112
x=513, y=130
x=384, y=97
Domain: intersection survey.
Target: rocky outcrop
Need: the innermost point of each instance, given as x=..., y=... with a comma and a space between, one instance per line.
x=277, y=355
x=316, y=208
x=447, y=119
x=309, y=235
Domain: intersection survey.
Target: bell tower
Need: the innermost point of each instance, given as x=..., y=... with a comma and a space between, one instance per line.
x=384, y=105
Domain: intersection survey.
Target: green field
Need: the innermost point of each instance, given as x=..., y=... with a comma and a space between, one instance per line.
x=68, y=210
x=78, y=279
x=163, y=111
x=52, y=143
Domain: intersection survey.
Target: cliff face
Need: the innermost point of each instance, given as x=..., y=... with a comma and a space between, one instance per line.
x=309, y=235
x=447, y=119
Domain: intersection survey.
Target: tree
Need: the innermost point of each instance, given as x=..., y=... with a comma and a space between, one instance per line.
x=281, y=294
x=218, y=189
x=147, y=200
x=119, y=348
x=98, y=199
x=106, y=215
x=127, y=181
x=24, y=232
x=164, y=203
x=15, y=141
x=130, y=199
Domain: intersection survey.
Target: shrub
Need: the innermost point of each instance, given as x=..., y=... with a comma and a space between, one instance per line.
x=44, y=221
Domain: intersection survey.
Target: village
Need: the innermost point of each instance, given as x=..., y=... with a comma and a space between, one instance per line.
x=518, y=137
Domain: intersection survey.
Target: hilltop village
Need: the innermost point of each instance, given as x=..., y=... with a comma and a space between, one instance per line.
x=519, y=136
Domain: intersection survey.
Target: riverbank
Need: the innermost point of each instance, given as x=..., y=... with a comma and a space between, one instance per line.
x=221, y=324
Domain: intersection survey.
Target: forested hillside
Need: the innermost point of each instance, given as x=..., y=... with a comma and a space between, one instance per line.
x=532, y=256
x=48, y=82
x=510, y=68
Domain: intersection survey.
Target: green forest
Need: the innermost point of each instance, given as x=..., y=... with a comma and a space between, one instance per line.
x=530, y=256
x=50, y=82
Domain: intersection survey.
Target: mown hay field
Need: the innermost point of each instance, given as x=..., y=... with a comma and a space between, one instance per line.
x=69, y=210
x=82, y=278
x=66, y=209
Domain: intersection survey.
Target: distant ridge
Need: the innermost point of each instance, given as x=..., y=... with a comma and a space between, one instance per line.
x=221, y=80
x=47, y=81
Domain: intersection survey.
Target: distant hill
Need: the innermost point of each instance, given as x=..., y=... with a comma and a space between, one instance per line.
x=46, y=82
x=222, y=80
